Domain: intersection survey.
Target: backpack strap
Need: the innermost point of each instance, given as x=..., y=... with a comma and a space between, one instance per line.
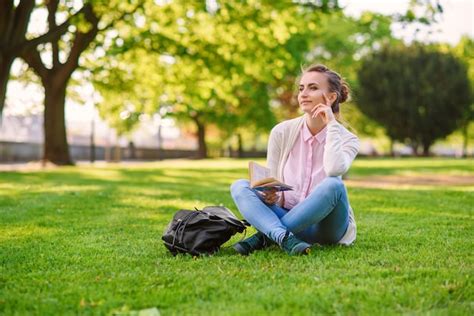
x=180, y=229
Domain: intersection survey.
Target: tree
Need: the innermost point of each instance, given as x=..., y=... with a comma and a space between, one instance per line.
x=55, y=80
x=232, y=55
x=64, y=42
x=221, y=61
x=418, y=94
x=14, y=21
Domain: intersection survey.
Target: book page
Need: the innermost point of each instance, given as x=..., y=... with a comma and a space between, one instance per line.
x=258, y=172
x=261, y=180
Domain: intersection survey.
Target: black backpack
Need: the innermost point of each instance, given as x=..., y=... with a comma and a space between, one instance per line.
x=201, y=231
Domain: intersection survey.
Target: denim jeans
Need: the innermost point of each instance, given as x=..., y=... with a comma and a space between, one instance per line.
x=323, y=217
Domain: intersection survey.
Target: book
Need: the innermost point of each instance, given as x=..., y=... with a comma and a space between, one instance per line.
x=261, y=180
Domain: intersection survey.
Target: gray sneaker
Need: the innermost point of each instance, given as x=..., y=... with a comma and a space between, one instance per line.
x=255, y=242
x=294, y=246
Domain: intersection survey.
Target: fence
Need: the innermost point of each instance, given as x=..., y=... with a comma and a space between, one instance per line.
x=20, y=152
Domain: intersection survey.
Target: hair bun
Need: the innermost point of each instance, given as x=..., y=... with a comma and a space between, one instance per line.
x=345, y=91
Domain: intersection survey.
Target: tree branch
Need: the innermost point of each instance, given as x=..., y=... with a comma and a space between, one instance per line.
x=13, y=23
x=20, y=23
x=32, y=57
x=50, y=36
x=6, y=14
x=52, y=6
x=82, y=40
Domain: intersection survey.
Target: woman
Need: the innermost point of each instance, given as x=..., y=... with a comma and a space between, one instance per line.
x=310, y=153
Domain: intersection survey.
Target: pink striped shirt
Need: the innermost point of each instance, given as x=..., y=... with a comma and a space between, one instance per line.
x=304, y=168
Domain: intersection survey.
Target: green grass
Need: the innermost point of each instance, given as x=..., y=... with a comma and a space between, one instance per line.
x=408, y=166
x=85, y=240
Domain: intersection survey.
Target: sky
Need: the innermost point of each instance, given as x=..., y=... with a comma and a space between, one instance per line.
x=458, y=19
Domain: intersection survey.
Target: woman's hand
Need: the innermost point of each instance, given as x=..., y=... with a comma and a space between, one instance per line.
x=270, y=197
x=324, y=110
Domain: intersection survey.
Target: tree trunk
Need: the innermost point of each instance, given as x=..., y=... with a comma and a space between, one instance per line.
x=56, y=149
x=414, y=147
x=426, y=150
x=240, y=148
x=55, y=80
x=201, y=134
x=5, y=66
x=465, y=135
x=117, y=152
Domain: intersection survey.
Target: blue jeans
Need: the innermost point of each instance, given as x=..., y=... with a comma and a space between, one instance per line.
x=321, y=218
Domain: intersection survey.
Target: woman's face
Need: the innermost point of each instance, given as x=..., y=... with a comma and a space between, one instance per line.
x=311, y=89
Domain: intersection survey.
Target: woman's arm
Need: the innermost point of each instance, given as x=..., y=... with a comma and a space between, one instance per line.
x=340, y=150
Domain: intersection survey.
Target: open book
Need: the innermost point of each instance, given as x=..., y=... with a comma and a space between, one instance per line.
x=261, y=180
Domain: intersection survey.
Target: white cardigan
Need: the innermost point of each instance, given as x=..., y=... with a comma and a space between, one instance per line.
x=339, y=151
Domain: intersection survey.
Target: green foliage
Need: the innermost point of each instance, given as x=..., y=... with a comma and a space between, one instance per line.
x=464, y=50
x=86, y=240
x=216, y=66
x=130, y=85
x=419, y=95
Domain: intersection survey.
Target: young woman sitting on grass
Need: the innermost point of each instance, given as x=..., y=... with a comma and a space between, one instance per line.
x=310, y=153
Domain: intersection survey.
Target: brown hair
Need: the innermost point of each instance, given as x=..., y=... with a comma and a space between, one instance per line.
x=336, y=84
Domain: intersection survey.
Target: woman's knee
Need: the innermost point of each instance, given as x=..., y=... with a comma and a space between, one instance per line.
x=239, y=186
x=333, y=184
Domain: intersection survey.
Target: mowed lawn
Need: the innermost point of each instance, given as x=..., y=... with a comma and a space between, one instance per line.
x=86, y=240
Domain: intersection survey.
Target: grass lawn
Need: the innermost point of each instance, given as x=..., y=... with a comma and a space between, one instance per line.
x=86, y=240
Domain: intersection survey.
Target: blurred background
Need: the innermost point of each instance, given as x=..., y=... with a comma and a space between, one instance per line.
x=154, y=79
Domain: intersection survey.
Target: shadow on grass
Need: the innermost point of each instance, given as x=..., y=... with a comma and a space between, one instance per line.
x=70, y=201
x=110, y=199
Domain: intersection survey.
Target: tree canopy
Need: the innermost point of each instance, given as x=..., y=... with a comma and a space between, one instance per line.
x=418, y=94
x=213, y=66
